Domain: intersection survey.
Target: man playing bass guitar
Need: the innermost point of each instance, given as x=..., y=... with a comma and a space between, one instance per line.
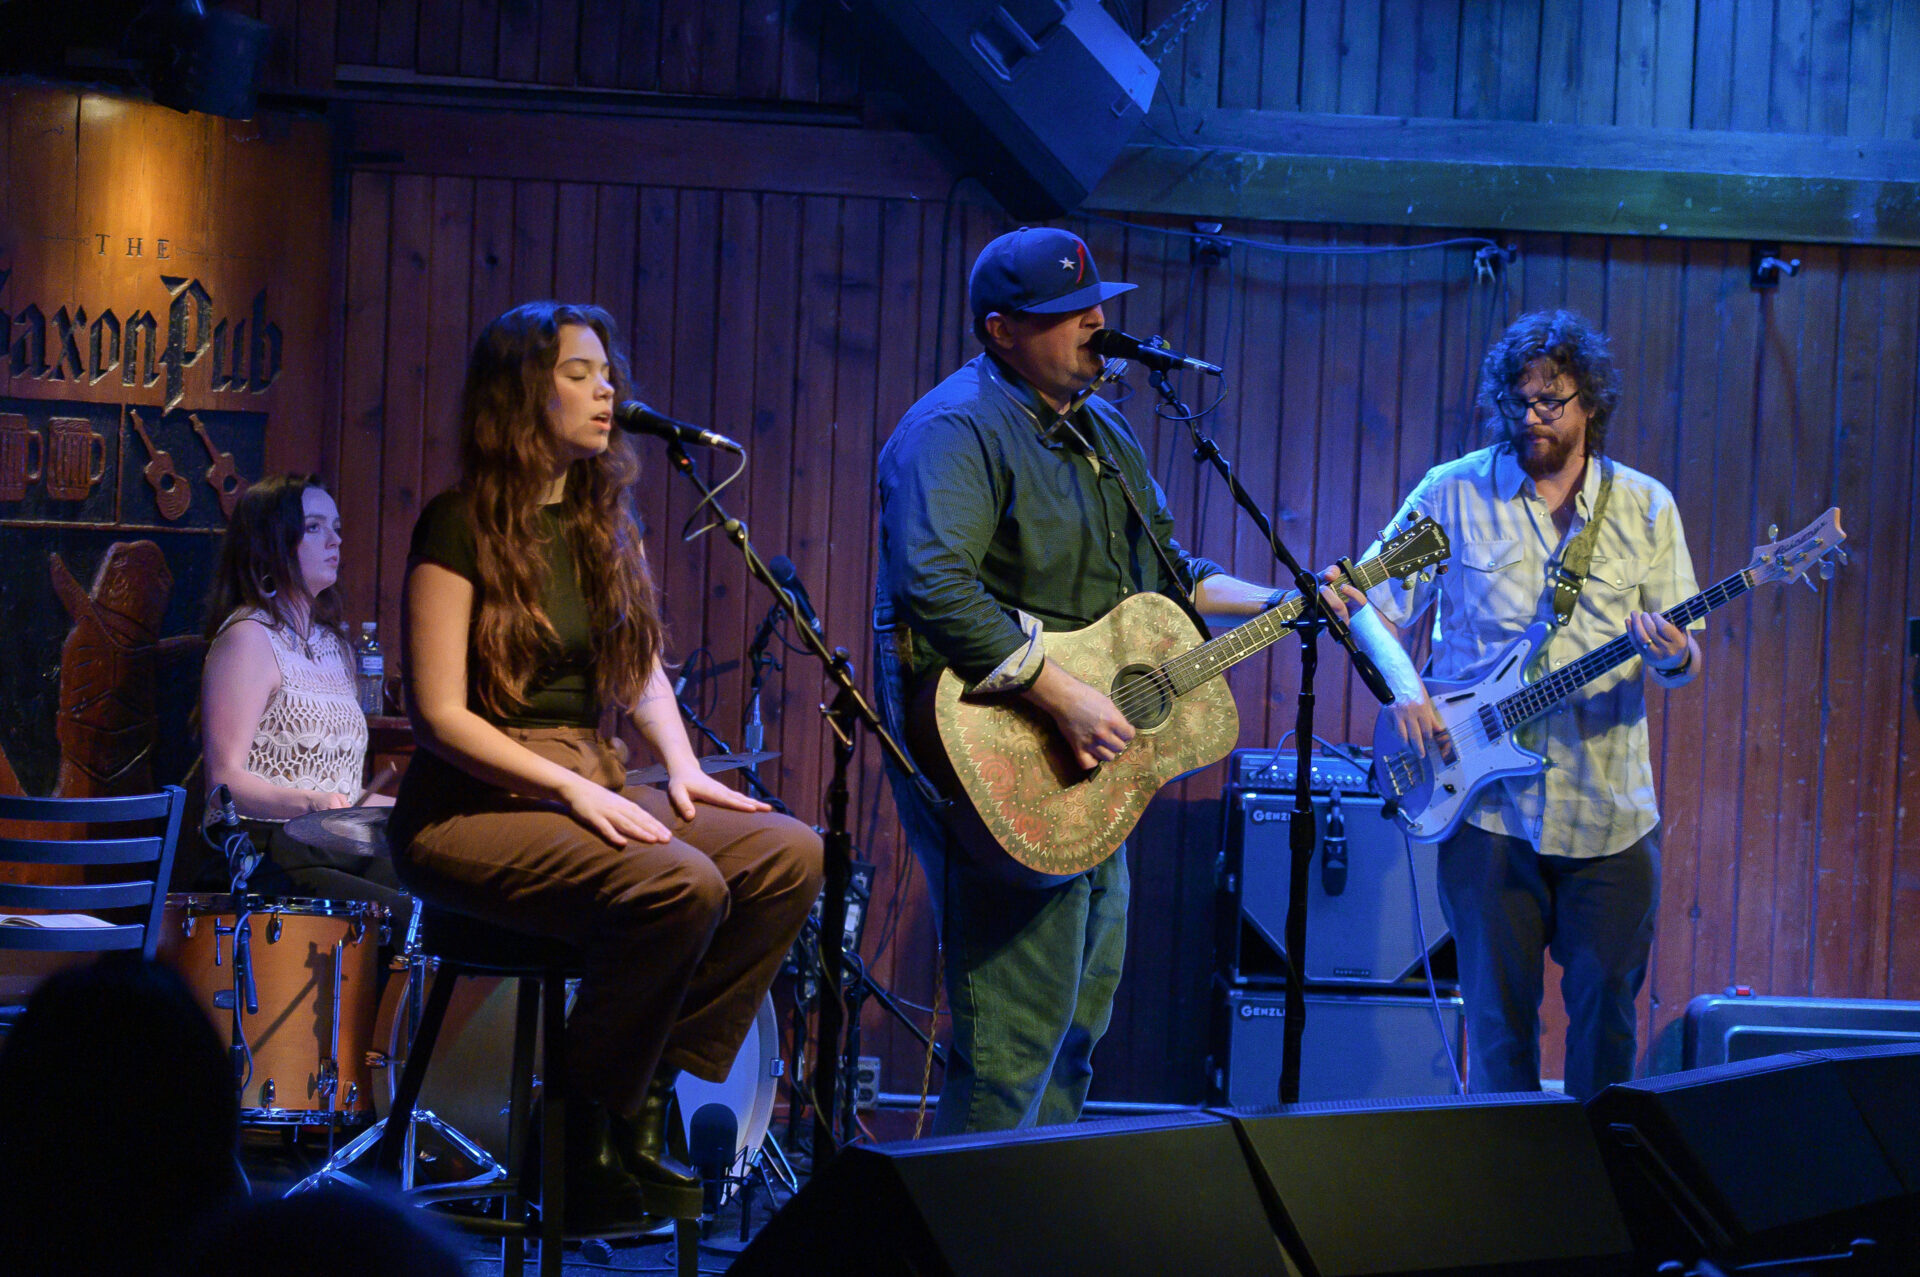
x=1545, y=527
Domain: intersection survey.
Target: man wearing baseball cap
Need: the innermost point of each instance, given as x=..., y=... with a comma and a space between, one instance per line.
x=1002, y=517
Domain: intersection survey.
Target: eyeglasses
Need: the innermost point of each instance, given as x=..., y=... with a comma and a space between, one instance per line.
x=1514, y=408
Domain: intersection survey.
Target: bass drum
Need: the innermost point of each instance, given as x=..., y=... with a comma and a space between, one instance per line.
x=467, y=1084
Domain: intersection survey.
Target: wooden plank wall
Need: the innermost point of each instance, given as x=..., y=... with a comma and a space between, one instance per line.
x=1849, y=69
x=805, y=325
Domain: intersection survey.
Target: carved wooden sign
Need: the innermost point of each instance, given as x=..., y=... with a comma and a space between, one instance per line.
x=163, y=330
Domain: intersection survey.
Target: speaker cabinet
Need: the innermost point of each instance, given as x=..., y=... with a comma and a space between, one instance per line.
x=1507, y=1184
x=1356, y=1046
x=1361, y=928
x=1770, y=1158
x=1035, y=96
x=1148, y=1196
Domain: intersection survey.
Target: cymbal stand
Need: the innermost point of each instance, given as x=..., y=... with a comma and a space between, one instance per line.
x=489, y=1171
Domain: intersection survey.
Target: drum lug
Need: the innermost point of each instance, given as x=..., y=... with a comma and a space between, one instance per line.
x=186, y=927
x=266, y=1093
x=378, y=1059
x=273, y=929
x=353, y=1094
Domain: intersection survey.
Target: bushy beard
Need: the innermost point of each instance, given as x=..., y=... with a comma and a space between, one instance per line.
x=1535, y=462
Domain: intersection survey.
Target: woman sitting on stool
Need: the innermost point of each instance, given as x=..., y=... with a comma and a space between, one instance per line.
x=279, y=710
x=529, y=608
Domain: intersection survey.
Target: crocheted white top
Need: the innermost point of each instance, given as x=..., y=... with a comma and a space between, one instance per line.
x=312, y=734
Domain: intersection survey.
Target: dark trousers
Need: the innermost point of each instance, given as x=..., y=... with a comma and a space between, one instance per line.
x=681, y=939
x=1508, y=905
x=1030, y=977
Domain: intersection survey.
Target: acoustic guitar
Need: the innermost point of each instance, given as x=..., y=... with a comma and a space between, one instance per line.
x=1023, y=808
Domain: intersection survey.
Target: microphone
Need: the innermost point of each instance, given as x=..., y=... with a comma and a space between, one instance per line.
x=711, y=1137
x=637, y=418
x=220, y=810
x=789, y=578
x=1114, y=344
x=1333, y=849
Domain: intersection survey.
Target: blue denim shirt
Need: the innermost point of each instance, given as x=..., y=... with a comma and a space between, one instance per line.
x=989, y=506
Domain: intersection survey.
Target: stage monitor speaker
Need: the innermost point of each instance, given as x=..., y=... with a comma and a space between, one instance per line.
x=1035, y=96
x=1146, y=1196
x=1360, y=914
x=1761, y=1160
x=1726, y=1028
x=1355, y=1047
x=1506, y=1184
x=1885, y=1084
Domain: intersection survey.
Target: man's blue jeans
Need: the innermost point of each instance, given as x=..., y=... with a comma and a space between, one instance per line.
x=1030, y=979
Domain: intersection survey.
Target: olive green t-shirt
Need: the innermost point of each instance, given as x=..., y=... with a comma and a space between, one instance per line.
x=561, y=691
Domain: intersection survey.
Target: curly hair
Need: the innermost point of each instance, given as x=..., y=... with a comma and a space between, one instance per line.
x=1569, y=345
x=508, y=454
x=258, y=565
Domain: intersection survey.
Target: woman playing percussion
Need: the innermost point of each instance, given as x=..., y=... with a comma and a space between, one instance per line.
x=529, y=609
x=281, y=722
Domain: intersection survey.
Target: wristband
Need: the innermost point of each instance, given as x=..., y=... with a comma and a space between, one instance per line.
x=1677, y=670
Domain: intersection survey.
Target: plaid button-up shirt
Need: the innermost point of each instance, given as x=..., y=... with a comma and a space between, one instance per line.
x=1596, y=795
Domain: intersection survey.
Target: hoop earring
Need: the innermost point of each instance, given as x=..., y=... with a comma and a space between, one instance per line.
x=268, y=589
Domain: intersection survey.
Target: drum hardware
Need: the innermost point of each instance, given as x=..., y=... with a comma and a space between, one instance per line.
x=407, y=982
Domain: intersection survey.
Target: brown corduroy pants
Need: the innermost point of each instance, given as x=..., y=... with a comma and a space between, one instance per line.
x=681, y=940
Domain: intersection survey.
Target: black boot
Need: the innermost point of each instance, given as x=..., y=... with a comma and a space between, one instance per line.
x=668, y=1186
x=601, y=1197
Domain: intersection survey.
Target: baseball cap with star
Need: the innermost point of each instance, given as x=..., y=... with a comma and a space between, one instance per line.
x=1039, y=270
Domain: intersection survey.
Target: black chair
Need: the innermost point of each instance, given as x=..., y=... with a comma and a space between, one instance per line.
x=464, y=946
x=145, y=891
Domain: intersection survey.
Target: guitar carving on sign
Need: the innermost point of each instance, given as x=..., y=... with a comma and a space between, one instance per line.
x=1024, y=808
x=1477, y=746
x=223, y=476
x=170, y=491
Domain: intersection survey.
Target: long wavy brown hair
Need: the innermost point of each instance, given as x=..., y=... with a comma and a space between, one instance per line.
x=258, y=566
x=508, y=452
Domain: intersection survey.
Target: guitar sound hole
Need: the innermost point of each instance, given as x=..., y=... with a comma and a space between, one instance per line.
x=1144, y=694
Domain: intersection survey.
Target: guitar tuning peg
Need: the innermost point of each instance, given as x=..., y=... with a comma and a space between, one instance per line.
x=1810, y=584
x=1773, y=532
x=1427, y=576
x=1842, y=555
x=1826, y=569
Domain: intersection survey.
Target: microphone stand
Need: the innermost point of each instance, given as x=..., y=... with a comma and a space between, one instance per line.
x=848, y=710
x=1302, y=835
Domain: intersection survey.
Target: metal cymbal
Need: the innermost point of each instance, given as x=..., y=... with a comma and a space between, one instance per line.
x=711, y=764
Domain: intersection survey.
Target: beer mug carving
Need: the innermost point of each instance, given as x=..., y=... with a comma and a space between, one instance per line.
x=22, y=454
x=77, y=458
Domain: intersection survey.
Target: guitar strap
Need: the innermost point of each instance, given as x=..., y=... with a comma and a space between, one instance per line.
x=1181, y=594
x=1568, y=576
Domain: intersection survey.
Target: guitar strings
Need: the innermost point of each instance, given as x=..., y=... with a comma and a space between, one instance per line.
x=1526, y=703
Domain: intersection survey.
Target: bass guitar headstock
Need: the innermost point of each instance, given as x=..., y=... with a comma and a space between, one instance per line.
x=1814, y=547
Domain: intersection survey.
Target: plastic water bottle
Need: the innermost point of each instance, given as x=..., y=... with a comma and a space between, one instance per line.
x=373, y=669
